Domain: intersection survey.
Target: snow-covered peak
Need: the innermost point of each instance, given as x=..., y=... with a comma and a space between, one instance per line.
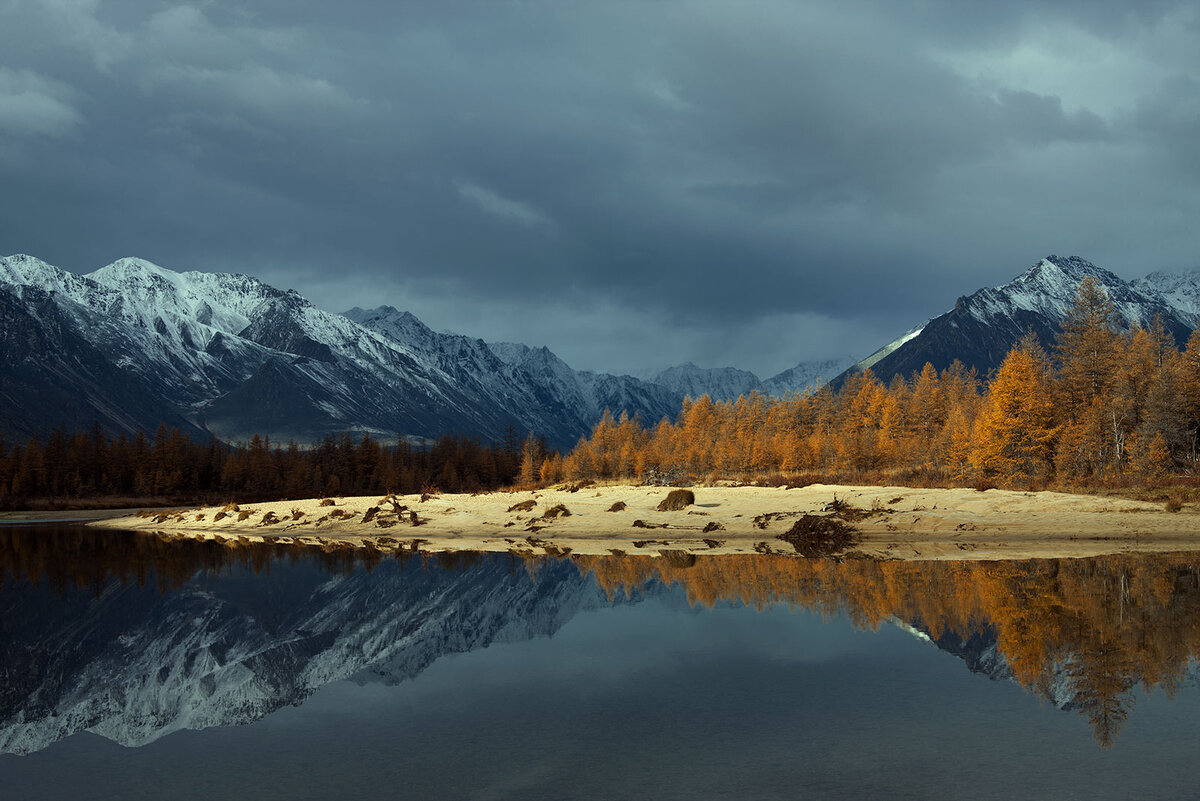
x=132, y=268
x=1178, y=290
x=1053, y=280
x=806, y=375
x=719, y=383
x=22, y=270
x=390, y=320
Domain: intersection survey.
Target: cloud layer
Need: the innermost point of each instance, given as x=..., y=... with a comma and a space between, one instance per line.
x=635, y=184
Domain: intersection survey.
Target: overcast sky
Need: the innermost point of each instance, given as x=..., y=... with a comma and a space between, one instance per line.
x=633, y=184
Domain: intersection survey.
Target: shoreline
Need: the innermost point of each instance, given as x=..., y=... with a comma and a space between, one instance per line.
x=888, y=522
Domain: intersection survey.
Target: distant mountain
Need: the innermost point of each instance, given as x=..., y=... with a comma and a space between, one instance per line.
x=133, y=344
x=719, y=383
x=982, y=327
x=806, y=375
x=727, y=383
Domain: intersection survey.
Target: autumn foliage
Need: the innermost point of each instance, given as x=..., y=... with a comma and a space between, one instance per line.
x=1104, y=404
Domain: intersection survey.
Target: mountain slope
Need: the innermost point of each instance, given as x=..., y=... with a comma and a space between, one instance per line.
x=982, y=327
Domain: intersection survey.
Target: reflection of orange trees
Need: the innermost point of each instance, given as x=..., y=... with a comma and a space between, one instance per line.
x=1098, y=627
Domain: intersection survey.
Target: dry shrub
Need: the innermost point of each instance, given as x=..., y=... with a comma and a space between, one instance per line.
x=983, y=485
x=297, y=513
x=242, y=515
x=523, y=506
x=326, y=502
x=269, y=519
x=677, y=499
x=556, y=511
x=644, y=524
x=231, y=507
x=219, y=516
x=619, y=506
x=816, y=536
x=369, y=515
x=199, y=517
x=713, y=525
x=1174, y=505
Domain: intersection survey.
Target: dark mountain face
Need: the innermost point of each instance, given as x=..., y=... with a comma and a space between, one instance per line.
x=54, y=377
x=133, y=345
x=982, y=327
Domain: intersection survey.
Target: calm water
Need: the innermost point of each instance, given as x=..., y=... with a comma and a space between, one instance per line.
x=131, y=667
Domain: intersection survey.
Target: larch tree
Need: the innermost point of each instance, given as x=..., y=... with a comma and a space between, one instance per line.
x=1015, y=433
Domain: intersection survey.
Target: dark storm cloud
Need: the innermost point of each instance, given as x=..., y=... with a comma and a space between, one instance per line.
x=744, y=183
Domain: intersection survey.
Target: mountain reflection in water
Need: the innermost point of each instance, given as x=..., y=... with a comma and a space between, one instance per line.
x=134, y=636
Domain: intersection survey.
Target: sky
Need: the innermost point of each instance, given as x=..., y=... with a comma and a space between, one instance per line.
x=634, y=184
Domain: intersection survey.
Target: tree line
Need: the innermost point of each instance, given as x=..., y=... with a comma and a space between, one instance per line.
x=1104, y=404
x=169, y=465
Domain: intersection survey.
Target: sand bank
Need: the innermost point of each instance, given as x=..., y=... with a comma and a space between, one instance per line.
x=891, y=522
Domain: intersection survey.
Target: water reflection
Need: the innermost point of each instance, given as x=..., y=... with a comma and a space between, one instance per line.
x=134, y=636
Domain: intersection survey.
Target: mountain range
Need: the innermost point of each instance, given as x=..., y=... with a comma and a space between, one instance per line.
x=132, y=345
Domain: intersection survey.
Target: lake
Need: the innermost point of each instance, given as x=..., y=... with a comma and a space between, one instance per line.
x=135, y=666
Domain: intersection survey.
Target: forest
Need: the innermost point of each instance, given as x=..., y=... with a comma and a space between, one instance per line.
x=1102, y=406
x=170, y=467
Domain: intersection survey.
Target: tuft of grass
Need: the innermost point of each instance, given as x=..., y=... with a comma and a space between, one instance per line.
x=1174, y=505
x=556, y=511
x=816, y=536
x=326, y=502
x=677, y=499
x=619, y=506
x=523, y=506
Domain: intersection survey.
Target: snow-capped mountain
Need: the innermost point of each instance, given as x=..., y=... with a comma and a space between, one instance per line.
x=806, y=376
x=982, y=327
x=133, y=344
x=728, y=383
x=719, y=383
x=229, y=647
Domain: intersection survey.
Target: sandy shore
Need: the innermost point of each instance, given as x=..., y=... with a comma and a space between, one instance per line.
x=899, y=522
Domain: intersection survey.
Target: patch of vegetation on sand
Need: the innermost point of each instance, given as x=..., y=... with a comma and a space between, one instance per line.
x=817, y=536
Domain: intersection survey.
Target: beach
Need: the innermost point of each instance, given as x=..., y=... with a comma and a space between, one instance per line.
x=883, y=522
